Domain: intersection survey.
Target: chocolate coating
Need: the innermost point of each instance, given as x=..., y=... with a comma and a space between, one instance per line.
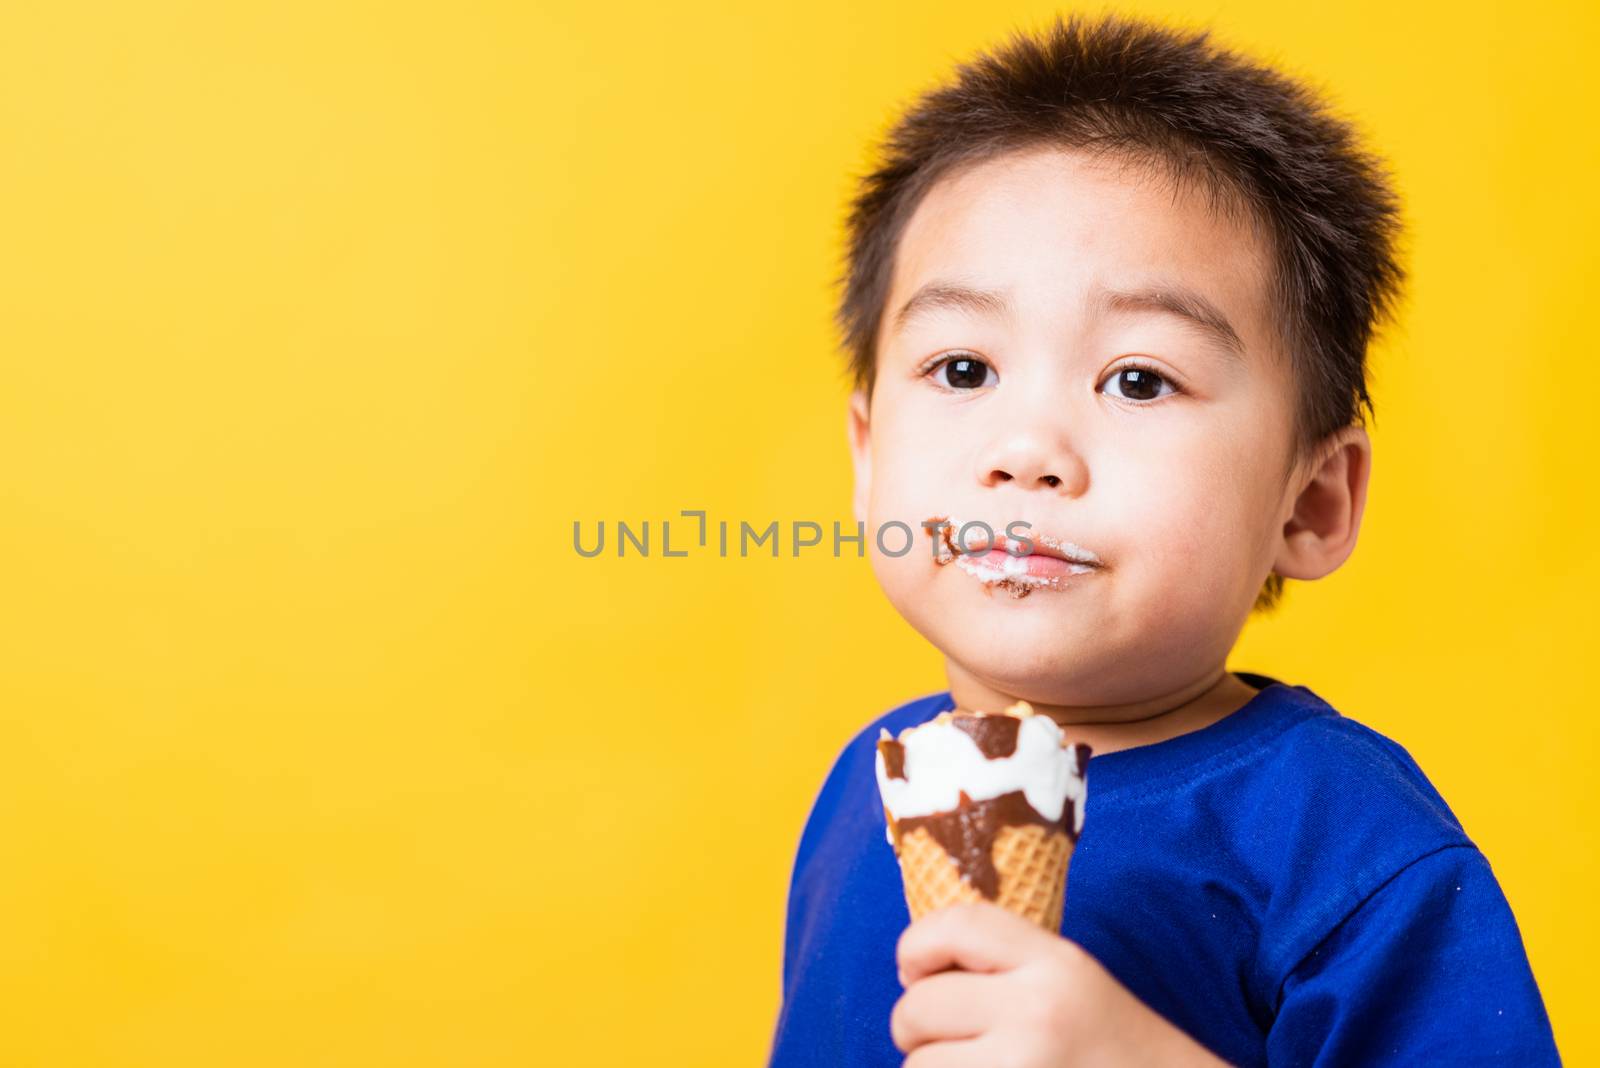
x=1083, y=757
x=996, y=736
x=967, y=833
x=894, y=757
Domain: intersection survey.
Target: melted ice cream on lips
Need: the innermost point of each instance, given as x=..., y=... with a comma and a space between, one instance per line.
x=1016, y=565
x=963, y=776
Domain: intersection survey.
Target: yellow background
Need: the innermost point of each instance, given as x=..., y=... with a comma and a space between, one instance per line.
x=319, y=744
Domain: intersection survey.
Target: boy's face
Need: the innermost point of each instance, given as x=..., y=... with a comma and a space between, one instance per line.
x=1176, y=476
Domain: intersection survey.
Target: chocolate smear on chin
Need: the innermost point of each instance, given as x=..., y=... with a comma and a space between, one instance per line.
x=967, y=833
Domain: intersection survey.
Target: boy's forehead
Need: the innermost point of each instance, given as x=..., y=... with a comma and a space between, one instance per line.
x=1051, y=228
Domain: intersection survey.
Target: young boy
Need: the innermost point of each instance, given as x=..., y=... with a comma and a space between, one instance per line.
x=1115, y=286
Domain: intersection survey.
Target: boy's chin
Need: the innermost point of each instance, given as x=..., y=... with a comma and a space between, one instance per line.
x=1068, y=684
x=1043, y=635
x=1038, y=660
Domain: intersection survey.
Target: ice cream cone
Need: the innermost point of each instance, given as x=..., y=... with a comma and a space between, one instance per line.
x=1032, y=863
x=971, y=820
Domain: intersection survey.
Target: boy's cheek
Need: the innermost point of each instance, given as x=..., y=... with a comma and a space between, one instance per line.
x=905, y=579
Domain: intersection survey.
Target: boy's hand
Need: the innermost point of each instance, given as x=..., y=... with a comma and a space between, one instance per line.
x=1021, y=997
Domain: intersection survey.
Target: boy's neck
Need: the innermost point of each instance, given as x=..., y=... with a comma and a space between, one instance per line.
x=1109, y=728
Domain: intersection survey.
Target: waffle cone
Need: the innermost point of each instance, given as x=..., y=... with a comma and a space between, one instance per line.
x=1031, y=861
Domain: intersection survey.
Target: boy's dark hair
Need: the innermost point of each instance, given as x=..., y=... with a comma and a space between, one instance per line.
x=1172, y=101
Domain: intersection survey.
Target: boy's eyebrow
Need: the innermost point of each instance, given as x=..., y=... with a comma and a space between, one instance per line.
x=1164, y=299
x=955, y=296
x=1183, y=303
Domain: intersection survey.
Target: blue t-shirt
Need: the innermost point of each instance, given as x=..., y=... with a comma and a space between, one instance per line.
x=1285, y=885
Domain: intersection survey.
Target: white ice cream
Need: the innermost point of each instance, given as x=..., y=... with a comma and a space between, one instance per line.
x=1014, y=568
x=942, y=761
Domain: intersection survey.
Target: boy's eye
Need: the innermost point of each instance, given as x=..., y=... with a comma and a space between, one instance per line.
x=962, y=372
x=1137, y=382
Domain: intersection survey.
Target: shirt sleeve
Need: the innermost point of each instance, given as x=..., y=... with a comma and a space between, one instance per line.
x=1429, y=969
x=819, y=821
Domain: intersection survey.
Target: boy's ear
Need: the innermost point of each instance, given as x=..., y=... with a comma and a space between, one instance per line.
x=1320, y=533
x=860, y=432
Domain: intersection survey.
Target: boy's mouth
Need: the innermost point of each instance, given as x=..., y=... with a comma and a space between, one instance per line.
x=997, y=560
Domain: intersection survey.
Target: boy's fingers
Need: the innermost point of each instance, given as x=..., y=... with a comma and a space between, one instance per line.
x=964, y=1054
x=976, y=937
x=952, y=1005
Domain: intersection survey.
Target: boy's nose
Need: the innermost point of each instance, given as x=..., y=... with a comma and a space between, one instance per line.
x=1033, y=463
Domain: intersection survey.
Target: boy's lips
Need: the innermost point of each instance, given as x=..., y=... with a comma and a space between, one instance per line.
x=993, y=558
x=1044, y=547
x=1037, y=564
x=987, y=541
